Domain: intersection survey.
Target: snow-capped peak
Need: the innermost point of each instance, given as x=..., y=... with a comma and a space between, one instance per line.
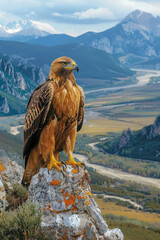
x=26, y=27
x=43, y=26
x=12, y=30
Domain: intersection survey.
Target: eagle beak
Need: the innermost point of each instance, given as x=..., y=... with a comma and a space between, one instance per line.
x=75, y=66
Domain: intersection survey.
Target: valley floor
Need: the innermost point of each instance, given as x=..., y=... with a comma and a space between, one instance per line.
x=114, y=173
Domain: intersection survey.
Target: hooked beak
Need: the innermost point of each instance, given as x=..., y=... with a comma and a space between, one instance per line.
x=76, y=68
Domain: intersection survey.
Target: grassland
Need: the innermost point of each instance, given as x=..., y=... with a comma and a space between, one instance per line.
x=103, y=126
x=114, y=112
x=132, y=232
x=134, y=224
x=113, y=208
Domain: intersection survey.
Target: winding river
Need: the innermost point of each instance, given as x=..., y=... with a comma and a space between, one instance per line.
x=142, y=80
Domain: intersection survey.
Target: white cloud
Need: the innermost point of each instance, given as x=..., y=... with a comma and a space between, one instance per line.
x=91, y=13
x=96, y=13
x=124, y=7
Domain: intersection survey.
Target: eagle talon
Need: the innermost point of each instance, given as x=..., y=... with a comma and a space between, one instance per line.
x=64, y=164
x=83, y=166
x=63, y=167
x=77, y=167
x=63, y=173
x=54, y=163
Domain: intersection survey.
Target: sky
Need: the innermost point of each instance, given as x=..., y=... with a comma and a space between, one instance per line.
x=74, y=17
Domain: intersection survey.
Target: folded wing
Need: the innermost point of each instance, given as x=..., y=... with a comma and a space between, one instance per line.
x=81, y=110
x=36, y=116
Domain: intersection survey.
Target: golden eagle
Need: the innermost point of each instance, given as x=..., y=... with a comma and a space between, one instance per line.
x=54, y=114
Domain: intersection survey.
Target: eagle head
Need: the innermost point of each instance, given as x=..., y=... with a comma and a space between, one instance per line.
x=63, y=66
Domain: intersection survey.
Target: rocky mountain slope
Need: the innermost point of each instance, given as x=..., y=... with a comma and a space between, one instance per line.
x=134, y=34
x=18, y=79
x=143, y=144
x=93, y=63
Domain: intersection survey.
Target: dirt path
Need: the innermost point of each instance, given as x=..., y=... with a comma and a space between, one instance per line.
x=114, y=173
x=93, y=146
x=138, y=206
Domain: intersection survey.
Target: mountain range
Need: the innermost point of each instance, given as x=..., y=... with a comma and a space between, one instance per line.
x=138, y=34
x=28, y=47
x=134, y=34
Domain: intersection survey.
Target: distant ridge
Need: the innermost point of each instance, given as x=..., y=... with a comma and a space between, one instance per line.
x=142, y=144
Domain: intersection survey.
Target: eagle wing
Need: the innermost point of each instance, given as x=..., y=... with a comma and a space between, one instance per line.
x=81, y=110
x=35, y=119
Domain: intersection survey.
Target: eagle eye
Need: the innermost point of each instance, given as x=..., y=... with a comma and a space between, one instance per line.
x=64, y=63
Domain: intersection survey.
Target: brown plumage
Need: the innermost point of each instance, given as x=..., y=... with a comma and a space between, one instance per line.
x=54, y=114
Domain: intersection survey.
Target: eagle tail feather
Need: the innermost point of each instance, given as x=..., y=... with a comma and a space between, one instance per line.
x=33, y=163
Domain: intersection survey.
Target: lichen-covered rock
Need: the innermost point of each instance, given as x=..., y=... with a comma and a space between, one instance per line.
x=10, y=172
x=3, y=201
x=69, y=209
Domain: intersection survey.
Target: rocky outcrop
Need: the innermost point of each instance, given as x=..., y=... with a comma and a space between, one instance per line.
x=10, y=172
x=147, y=133
x=123, y=140
x=68, y=207
x=4, y=108
x=154, y=129
x=3, y=201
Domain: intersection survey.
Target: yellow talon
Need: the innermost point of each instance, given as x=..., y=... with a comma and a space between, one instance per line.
x=71, y=161
x=54, y=163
